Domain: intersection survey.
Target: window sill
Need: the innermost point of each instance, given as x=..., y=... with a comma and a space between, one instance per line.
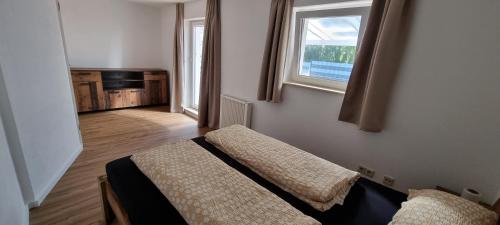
x=191, y=112
x=315, y=87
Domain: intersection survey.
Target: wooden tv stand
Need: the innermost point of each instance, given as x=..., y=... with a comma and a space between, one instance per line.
x=103, y=89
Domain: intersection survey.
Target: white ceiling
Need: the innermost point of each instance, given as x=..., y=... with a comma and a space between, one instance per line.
x=160, y=1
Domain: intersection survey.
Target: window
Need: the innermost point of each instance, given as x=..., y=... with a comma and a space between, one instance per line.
x=325, y=44
x=194, y=50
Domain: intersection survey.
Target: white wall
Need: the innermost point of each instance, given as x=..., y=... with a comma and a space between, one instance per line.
x=13, y=211
x=36, y=99
x=112, y=33
x=195, y=9
x=443, y=125
x=168, y=16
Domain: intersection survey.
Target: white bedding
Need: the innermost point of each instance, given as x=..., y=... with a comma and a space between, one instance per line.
x=314, y=180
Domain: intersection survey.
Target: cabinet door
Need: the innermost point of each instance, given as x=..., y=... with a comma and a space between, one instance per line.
x=88, y=90
x=77, y=95
x=156, y=88
x=164, y=92
x=152, y=92
x=133, y=97
x=115, y=99
x=86, y=96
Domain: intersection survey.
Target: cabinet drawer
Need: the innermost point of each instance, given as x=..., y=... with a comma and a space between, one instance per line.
x=155, y=76
x=85, y=76
x=159, y=72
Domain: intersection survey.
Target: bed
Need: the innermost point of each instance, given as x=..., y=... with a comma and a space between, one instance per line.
x=131, y=198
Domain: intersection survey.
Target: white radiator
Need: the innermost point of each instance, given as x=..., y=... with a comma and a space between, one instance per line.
x=234, y=111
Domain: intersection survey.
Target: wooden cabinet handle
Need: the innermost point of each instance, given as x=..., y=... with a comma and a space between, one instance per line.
x=136, y=91
x=114, y=92
x=84, y=74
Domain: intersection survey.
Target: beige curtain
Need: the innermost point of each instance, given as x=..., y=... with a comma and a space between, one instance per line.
x=176, y=102
x=273, y=63
x=376, y=65
x=209, y=106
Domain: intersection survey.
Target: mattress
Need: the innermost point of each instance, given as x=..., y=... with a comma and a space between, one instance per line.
x=368, y=203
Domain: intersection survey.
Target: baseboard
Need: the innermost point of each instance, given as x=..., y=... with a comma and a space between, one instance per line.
x=27, y=216
x=39, y=199
x=193, y=113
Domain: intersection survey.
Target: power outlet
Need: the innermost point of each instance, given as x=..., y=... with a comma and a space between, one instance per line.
x=362, y=170
x=366, y=171
x=388, y=181
x=370, y=173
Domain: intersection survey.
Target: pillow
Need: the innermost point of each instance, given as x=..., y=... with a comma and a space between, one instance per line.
x=433, y=207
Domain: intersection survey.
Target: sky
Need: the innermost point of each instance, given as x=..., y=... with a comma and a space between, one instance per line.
x=333, y=30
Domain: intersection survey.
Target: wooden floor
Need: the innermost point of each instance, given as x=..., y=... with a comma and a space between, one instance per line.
x=108, y=136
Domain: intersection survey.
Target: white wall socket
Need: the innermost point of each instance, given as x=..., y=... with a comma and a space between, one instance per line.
x=388, y=181
x=366, y=171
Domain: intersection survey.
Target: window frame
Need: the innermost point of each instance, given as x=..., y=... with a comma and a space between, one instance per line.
x=300, y=14
x=189, y=47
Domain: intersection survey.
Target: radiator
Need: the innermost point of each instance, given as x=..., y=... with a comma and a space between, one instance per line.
x=234, y=111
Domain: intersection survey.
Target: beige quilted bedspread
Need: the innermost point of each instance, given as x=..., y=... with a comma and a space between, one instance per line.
x=316, y=181
x=207, y=191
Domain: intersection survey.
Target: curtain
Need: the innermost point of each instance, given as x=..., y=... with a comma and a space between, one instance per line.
x=176, y=102
x=273, y=63
x=209, y=106
x=376, y=65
